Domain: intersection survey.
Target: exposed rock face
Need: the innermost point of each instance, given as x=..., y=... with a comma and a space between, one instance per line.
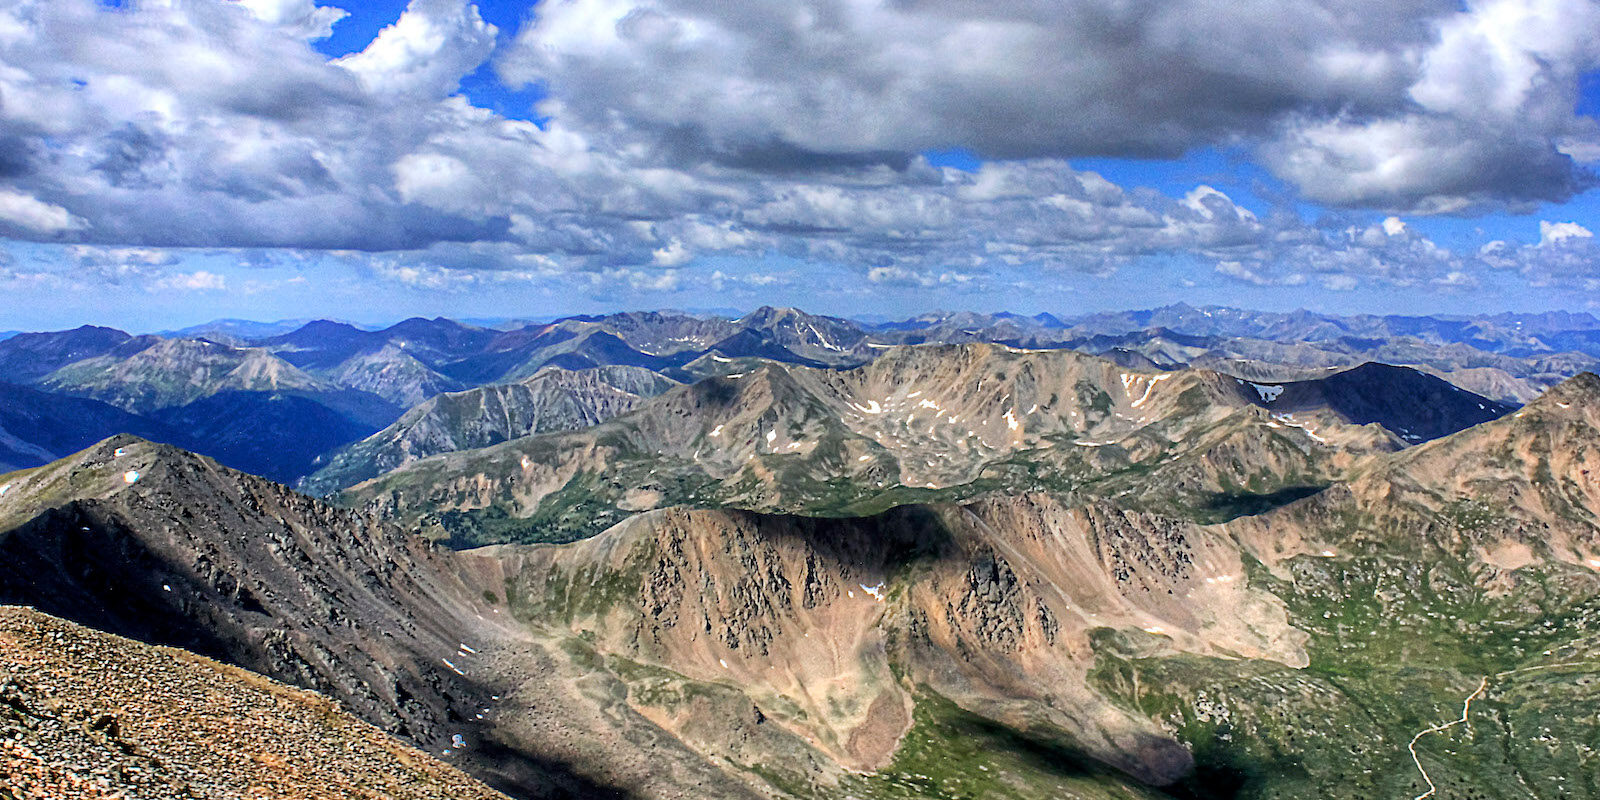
x=393, y=374
x=85, y=714
x=142, y=539
x=169, y=548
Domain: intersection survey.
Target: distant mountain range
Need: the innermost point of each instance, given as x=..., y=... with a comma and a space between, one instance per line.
x=244, y=388
x=932, y=420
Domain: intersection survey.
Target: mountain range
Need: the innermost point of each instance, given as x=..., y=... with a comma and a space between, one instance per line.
x=358, y=381
x=786, y=556
x=1063, y=640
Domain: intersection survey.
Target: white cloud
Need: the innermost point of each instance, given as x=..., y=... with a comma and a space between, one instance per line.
x=426, y=52
x=304, y=17
x=1552, y=232
x=35, y=215
x=199, y=280
x=673, y=255
x=785, y=130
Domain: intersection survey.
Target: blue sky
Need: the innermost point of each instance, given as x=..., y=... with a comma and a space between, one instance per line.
x=374, y=160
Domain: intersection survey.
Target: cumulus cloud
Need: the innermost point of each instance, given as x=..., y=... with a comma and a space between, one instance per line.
x=303, y=17
x=1423, y=105
x=19, y=210
x=426, y=52
x=1490, y=121
x=199, y=280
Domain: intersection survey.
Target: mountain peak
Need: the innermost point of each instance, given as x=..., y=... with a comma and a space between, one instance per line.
x=1581, y=391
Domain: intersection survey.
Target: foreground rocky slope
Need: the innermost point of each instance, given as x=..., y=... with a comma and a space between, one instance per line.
x=150, y=542
x=85, y=714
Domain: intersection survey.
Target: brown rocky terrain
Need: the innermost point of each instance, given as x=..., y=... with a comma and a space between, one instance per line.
x=85, y=714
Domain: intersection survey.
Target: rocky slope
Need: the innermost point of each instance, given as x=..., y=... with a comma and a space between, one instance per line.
x=553, y=400
x=393, y=374
x=149, y=542
x=839, y=631
x=85, y=714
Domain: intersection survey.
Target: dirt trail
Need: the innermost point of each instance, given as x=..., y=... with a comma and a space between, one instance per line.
x=1466, y=709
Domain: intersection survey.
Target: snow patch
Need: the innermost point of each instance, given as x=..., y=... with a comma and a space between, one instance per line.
x=1011, y=420
x=4, y=489
x=120, y=452
x=469, y=651
x=458, y=742
x=875, y=591
x=131, y=476
x=453, y=667
x=1268, y=393
x=1154, y=379
x=717, y=431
